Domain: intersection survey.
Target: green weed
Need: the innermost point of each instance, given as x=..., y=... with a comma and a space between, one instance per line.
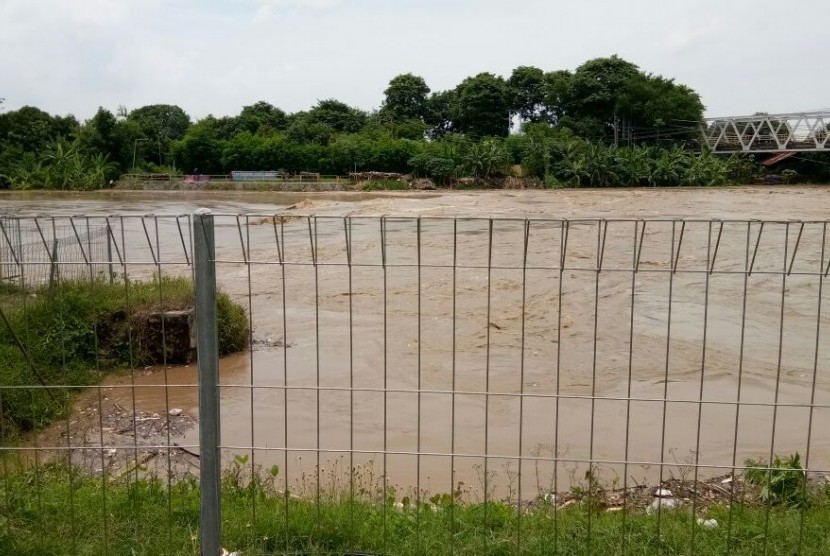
x=55, y=510
x=783, y=482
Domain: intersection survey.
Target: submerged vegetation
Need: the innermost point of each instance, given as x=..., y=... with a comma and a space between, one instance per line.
x=77, y=332
x=606, y=123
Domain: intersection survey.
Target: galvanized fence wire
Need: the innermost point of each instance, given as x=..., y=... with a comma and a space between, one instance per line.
x=109, y=418
x=604, y=349
x=36, y=251
x=483, y=359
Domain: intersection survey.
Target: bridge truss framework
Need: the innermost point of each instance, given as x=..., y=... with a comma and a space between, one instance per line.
x=770, y=133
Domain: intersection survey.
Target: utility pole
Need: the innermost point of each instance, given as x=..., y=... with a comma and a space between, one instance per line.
x=135, y=147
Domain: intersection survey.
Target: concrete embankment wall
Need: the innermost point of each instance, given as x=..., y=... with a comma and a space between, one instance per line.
x=181, y=185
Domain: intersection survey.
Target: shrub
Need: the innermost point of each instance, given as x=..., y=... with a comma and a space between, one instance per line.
x=783, y=482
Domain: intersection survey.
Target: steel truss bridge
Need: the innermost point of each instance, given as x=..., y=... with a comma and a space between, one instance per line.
x=768, y=133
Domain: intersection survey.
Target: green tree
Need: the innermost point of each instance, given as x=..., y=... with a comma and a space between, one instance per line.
x=127, y=135
x=441, y=114
x=439, y=169
x=262, y=118
x=303, y=129
x=32, y=130
x=324, y=122
x=482, y=106
x=242, y=152
x=338, y=116
x=350, y=153
x=98, y=136
x=160, y=124
x=557, y=94
x=527, y=93
x=605, y=95
x=406, y=98
x=593, y=94
x=200, y=148
x=667, y=109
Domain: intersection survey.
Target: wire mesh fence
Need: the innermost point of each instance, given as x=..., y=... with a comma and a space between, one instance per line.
x=427, y=381
x=38, y=252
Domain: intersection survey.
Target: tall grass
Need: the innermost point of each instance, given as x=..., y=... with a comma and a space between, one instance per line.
x=60, y=511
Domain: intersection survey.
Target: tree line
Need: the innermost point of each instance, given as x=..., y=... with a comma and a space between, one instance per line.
x=606, y=123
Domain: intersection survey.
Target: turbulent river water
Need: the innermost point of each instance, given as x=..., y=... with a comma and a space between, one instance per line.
x=420, y=334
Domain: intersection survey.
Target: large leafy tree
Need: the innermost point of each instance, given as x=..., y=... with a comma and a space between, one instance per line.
x=160, y=124
x=660, y=105
x=32, y=129
x=527, y=93
x=593, y=93
x=26, y=134
x=98, y=135
x=406, y=98
x=442, y=112
x=482, y=106
x=302, y=129
x=167, y=120
x=557, y=90
x=606, y=93
x=200, y=148
x=325, y=121
x=339, y=116
x=261, y=117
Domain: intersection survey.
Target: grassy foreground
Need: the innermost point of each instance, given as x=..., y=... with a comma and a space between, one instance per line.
x=55, y=511
x=77, y=332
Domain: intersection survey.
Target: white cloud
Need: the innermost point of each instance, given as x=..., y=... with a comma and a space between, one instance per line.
x=269, y=9
x=214, y=56
x=312, y=4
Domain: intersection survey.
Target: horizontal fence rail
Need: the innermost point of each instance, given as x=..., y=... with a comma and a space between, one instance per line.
x=425, y=365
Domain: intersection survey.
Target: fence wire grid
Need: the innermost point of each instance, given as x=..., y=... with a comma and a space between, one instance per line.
x=406, y=361
x=36, y=251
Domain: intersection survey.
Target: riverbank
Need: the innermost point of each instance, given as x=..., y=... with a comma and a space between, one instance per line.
x=87, y=514
x=60, y=338
x=229, y=185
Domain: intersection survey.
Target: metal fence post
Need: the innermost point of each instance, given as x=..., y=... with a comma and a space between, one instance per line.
x=20, y=256
x=110, y=272
x=208, y=359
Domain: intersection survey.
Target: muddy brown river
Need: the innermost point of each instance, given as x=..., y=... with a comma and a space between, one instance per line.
x=420, y=334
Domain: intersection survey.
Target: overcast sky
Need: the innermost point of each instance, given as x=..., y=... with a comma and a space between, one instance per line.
x=214, y=56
